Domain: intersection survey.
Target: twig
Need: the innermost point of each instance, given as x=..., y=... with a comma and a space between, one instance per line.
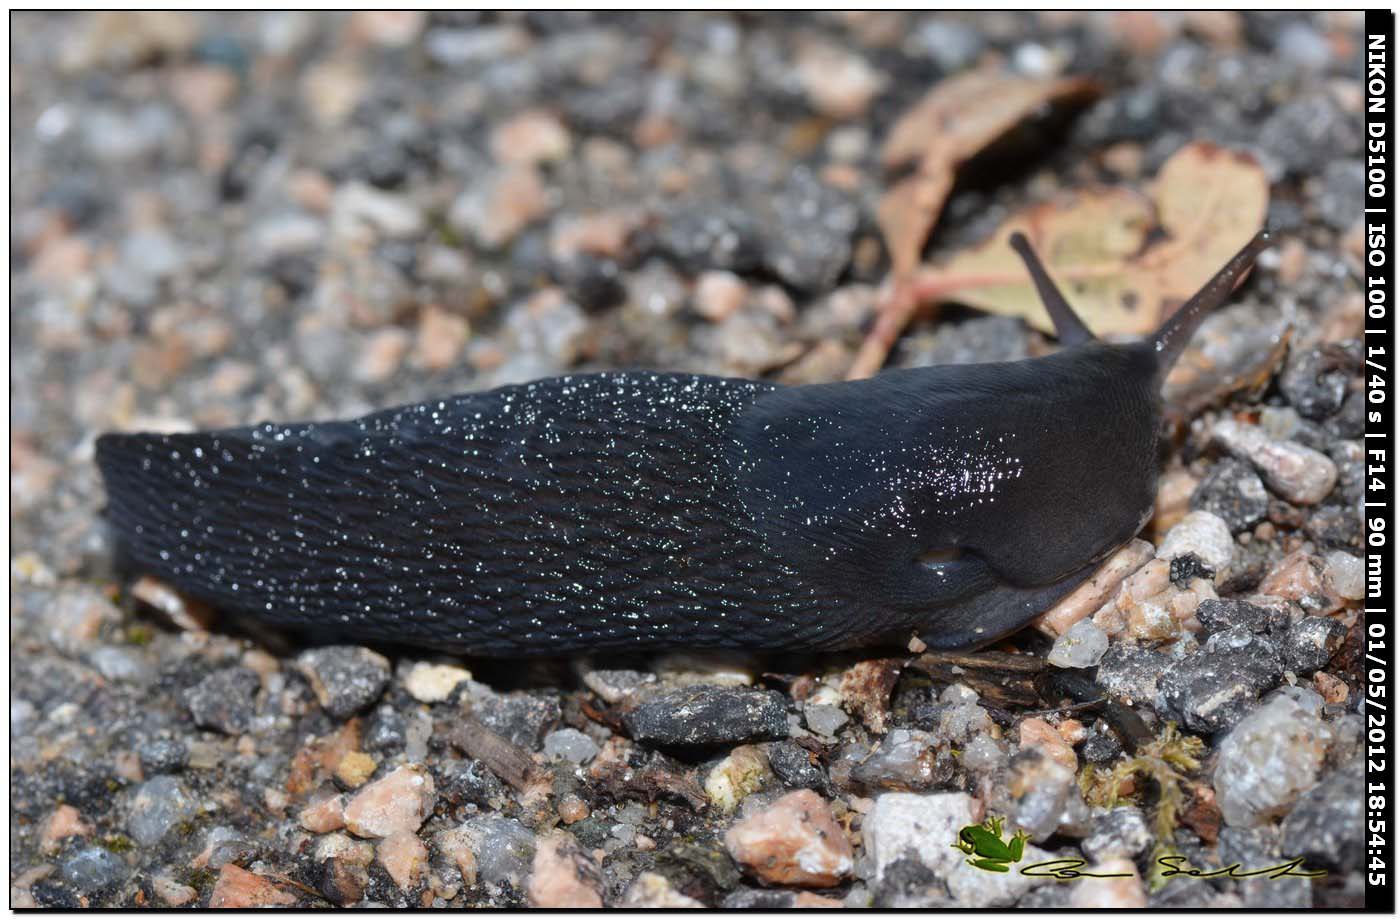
x=510, y=763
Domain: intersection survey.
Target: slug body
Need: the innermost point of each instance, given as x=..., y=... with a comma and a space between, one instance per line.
x=634, y=510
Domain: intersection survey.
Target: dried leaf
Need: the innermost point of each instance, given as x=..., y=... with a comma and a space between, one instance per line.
x=1206, y=203
x=954, y=121
x=1086, y=244
x=908, y=211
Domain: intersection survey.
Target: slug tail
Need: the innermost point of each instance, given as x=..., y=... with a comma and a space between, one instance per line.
x=146, y=503
x=1171, y=338
x=1069, y=328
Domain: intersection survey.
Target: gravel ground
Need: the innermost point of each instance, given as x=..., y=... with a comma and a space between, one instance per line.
x=228, y=218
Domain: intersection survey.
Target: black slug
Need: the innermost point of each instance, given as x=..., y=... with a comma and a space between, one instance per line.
x=634, y=510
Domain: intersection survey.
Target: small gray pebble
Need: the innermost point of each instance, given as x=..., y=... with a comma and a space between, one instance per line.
x=163, y=754
x=122, y=665
x=1132, y=672
x=345, y=678
x=160, y=803
x=794, y=767
x=571, y=745
x=1101, y=747
x=1232, y=491
x=1326, y=825
x=387, y=731
x=824, y=719
x=1122, y=831
x=224, y=700
x=92, y=869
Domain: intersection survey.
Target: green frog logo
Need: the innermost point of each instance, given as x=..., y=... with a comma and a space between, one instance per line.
x=985, y=848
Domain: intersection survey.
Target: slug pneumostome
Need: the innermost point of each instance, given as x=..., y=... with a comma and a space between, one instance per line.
x=636, y=510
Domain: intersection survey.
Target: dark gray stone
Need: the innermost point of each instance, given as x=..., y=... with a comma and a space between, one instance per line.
x=909, y=884
x=163, y=754
x=1187, y=568
x=699, y=236
x=1233, y=492
x=1306, y=134
x=1314, y=381
x=1349, y=423
x=807, y=232
x=1212, y=689
x=1135, y=115
x=608, y=109
x=469, y=782
x=346, y=678
x=1101, y=746
x=1251, y=563
x=704, y=714
x=1132, y=672
x=904, y=761
x=522, y=718
x=1335, y=526
x=1340, y=193
x=700, y=868
x=1253, y=848
x=593, y=283
x=794, y=767
x=755, y=898
x=1311, y=642
x=1327, y=825
x=1218, y=615
x=387, y=731
x=225, y=700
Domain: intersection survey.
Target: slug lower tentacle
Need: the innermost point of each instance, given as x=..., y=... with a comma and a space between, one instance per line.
x=634, y=510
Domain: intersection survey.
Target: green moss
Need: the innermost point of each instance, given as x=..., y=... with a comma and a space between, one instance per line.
x=446, y=233
x=139, y=635
x=116, y=842
x=201, y=879
x=1164, y=762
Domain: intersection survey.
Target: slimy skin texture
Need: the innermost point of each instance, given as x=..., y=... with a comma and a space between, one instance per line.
x=637, y=511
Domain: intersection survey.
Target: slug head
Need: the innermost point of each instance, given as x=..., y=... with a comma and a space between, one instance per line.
x=1083, y=424
x=1086, y=422
x=963, y=500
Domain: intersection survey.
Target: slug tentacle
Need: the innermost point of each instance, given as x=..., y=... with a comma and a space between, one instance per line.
x=1069, y=328
x=1171, y=338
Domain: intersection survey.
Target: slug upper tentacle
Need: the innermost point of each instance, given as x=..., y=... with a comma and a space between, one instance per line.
x=637, y=510
x=1070, y=329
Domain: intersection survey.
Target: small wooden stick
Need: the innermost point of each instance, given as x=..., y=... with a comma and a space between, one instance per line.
x=510, y=763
